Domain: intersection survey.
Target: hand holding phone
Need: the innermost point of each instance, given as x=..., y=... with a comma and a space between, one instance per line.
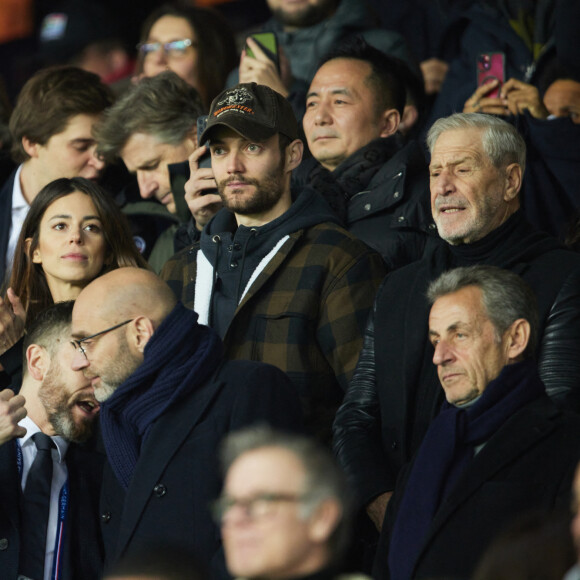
x=268, y=46
x=257, y=65
x=201, y=189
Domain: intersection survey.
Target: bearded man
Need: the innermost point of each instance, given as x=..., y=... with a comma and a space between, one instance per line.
x=277, y=277
x=55, y=405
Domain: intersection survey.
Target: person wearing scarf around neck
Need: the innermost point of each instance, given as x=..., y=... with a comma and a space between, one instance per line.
x=167, y=398
x=498, y=447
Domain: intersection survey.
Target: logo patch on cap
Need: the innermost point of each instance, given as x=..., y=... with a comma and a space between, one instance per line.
x=234, y=101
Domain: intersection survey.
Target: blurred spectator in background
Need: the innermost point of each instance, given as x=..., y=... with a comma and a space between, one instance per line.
x=285, y=509
x=86, y=35
x=306, y=31
x=195, y=43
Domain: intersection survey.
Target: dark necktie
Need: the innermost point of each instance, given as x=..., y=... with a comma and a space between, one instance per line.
x=35, y=510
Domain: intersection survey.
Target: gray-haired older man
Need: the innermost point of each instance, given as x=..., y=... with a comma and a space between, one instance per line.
x=284, y=511
x=478, y=465
x=476, y=172
x=152, y=128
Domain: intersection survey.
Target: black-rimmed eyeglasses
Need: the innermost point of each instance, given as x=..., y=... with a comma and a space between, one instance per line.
x=78, y=344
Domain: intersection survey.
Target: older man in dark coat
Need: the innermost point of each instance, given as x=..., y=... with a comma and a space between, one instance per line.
x=498, y=447
x=167, y=398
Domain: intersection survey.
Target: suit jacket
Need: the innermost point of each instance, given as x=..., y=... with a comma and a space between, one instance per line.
x=83, y=548
x=176, y=476
x=527, y=465
x=5, y=221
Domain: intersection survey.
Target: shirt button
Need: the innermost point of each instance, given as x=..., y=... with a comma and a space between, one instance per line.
x=394, y=445
x=3, y=544
x=159, y=490
x=396, y=195
x=105, y=517
x=367, y=206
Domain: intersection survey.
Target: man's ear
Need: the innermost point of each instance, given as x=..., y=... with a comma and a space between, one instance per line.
x=324, y=520
x=142, y=330
x=517, y=337
x=513, y=176
x=294, y=153
x=30, y=147
x=389, y=122
x=37, y=361
x=410, y=116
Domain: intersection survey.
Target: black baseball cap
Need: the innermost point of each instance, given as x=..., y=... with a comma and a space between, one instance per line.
x=256, y=112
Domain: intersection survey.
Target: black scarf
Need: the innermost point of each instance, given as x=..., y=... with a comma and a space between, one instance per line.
x=354, y=174
x=179, y=357
x=447, y=448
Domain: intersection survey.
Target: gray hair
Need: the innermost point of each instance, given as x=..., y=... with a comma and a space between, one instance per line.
x=163, y=106
x=501, y=141
x=505, y=297
x=323, y=477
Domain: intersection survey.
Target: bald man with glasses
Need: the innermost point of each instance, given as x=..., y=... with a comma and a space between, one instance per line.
x=167, y=399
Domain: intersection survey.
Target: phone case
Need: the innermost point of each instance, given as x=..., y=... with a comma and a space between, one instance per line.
x=268, y=43
x=491, y=66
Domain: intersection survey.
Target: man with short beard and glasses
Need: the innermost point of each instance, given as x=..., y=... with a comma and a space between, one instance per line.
x=60, y=403
x=168, y=398
x=276, y=276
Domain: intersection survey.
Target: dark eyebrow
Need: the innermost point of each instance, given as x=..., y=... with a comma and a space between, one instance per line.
x=83, y=141
x=67, y=216
x=339, y=91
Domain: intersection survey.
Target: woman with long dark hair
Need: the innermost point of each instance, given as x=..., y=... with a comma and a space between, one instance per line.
x=195, y=43
x=72, y=233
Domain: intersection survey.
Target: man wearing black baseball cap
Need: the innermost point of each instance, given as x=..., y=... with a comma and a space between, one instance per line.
x=274, y=273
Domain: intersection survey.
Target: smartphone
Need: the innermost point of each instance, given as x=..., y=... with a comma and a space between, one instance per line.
x=269, y=44
x=205, y=159
x=490, y=67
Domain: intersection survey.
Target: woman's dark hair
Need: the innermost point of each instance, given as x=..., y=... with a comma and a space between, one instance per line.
x=215, y=44
x=28, y=280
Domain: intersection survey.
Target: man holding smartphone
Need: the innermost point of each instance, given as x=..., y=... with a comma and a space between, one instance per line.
x=305, y=32
x=273, y=273
x=152, y=128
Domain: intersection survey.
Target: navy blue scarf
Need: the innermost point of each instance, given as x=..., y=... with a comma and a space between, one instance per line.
x=179, y=357
x=445, y=451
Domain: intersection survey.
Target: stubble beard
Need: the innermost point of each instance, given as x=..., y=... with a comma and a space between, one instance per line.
x=475, y=226
x=55, y=400
x=118, y=370
x=267, y=194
